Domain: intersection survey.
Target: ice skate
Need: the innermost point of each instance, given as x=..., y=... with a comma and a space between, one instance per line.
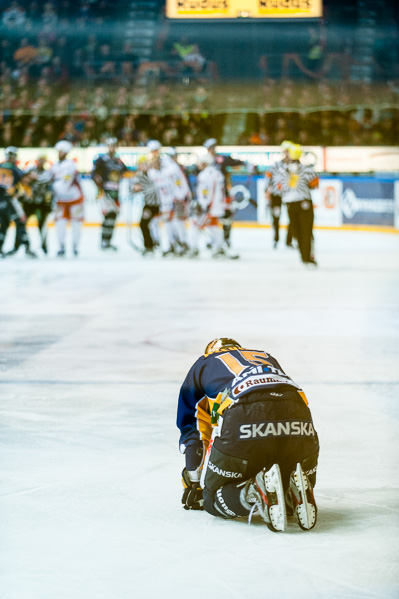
x=266, y=494
x=30, y=254
x=300, y=494
x=169, y=253
x=109, y=247
x=194, y=253
x=219, y=253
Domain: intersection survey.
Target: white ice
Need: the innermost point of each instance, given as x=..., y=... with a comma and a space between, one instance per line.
x=93, y=352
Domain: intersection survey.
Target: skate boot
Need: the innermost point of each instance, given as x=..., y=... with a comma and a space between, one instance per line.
x=12, y=252
x=265, y=493
x=30, y=254
x=168, y=253
x=61, y=252
x=194, y=253
x=300, y=495
x=219, y=253
x=108, y=246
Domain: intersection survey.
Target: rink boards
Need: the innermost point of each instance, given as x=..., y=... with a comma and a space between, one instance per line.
x=357, y=202
x=342, y=200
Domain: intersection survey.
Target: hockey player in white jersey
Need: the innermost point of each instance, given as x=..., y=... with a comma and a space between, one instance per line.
x=210, y=206
x=160, y=173
x=182, y=201
x=68, y=196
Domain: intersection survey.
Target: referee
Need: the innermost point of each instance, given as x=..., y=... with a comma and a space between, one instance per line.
x=295, y=183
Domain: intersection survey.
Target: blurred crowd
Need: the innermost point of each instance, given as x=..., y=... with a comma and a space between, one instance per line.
x=188, y=117
x=63, y=77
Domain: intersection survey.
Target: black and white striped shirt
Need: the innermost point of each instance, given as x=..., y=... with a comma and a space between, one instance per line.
x=294, y=181
x=148, y=189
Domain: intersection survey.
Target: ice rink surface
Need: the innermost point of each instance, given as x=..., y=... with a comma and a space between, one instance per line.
x=93, y=352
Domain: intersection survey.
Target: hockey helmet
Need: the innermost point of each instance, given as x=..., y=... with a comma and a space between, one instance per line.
x=111, y=141
x=154, y=145
x=286, y=144
x=11, y=151
x=295, y=152
x=63, y=146
x=210, y=143
x=220, y=343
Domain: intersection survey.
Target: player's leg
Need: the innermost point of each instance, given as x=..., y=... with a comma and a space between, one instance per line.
x=21, y=237
x=108, y=230
x=60, y=218
x=145, y=220
x=306, y=217
x=275, y=205
x=167, y=216
x=298, y=457
x=261, y=493
x=4, y=223
x=76, y=215
x=43, y=216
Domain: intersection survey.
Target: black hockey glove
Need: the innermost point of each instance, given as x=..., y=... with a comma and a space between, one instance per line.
x=192, y=494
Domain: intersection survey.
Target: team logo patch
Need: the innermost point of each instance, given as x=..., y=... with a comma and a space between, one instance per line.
x=290, y=428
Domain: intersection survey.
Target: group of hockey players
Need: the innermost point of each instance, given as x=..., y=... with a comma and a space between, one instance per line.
x=169, y=199
x=40, y=192
x=176, y=220
x=160, y=181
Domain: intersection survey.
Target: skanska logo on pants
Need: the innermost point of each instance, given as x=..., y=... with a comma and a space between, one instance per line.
x=225, y=473
x=294, y=428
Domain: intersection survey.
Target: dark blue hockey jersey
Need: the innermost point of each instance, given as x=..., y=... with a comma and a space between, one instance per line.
x=217, y=380
x=9, y=177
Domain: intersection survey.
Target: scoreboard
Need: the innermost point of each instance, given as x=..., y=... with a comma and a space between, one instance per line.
x=239, y=9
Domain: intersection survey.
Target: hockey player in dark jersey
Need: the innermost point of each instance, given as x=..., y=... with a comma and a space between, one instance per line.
x=248, y=438
x=107, y=173
x=10, y=207
x=36, y=196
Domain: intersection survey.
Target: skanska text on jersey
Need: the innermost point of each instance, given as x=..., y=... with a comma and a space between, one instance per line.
x=290, y=428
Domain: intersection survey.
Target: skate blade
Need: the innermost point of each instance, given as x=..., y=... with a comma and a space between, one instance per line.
x=275, y=493
x=306, y=511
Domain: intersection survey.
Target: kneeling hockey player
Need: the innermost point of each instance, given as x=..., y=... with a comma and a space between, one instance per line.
x=248, y=438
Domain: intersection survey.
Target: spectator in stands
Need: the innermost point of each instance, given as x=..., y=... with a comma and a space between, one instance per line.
x=14, y=16
x=44, y=52
x=194, y=62
x=69, y=133
x=26, y=52
x=49, y=18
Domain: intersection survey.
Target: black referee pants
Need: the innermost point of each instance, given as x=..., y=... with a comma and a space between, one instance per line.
x=149, y=212
x=301, y=216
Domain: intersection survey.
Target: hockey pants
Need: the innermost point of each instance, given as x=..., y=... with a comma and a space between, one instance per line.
x=244, y=446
